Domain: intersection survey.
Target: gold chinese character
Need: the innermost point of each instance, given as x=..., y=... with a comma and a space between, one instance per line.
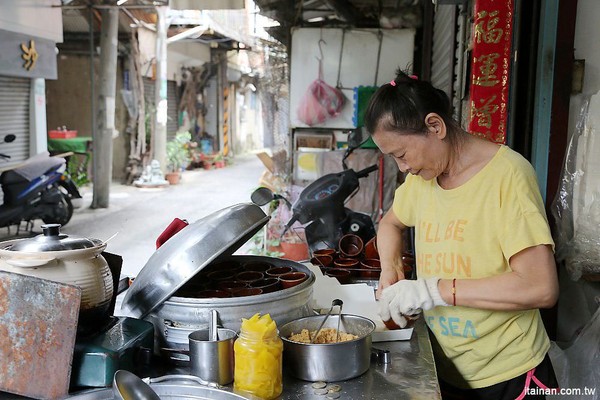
x=30, y=55
x=485, y=30
x=484, y=113
x=487, y=69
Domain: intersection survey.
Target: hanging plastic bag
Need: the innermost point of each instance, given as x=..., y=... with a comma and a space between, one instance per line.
x=576, y=366
x=320, y=102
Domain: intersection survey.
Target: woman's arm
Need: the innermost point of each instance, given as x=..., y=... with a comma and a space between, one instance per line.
x=389, y=246
x=532, y=283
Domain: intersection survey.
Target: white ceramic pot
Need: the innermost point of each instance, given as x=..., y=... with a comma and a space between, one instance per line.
x=60, y=258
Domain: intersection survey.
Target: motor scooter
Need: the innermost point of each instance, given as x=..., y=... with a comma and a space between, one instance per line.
x=40, y=188
x=321, y=206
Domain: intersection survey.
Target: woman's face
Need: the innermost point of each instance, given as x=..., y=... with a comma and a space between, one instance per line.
x=423, y=155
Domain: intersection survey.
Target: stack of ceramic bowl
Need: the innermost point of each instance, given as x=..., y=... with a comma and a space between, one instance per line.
x=353, y=259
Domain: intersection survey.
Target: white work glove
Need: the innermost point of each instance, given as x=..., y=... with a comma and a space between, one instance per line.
x=409, y=297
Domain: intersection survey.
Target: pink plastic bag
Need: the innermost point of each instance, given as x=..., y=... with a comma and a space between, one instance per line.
x=319, y=103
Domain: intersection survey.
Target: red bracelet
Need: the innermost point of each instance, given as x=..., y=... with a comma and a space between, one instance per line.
x=454, y=292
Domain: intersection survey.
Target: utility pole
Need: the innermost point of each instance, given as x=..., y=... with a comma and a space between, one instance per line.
x=159, y=145
x=105, y=121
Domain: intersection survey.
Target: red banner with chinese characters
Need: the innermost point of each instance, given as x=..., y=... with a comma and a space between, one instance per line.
x=490, y=68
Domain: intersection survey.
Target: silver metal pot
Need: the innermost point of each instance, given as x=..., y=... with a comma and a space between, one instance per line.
x=154, y=294
x=328, y=362
x=177, y=317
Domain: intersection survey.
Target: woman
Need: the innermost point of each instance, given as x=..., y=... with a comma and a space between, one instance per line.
x=484, y=251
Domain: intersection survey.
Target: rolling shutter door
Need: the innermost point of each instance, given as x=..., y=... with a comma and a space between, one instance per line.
x=14, y=118
x=172, y=103
x=444, y=48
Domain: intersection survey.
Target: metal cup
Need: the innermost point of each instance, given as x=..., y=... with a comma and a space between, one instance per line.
x=210, y=360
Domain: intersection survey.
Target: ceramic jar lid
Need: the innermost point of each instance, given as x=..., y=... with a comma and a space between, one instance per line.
x=52, y=240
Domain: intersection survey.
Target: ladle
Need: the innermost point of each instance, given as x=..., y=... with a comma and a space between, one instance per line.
x=335, y=302
x=337, y=335
x=127, y=386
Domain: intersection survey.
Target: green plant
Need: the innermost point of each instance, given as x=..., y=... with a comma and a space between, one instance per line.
x=262, y=248
x=178, y=153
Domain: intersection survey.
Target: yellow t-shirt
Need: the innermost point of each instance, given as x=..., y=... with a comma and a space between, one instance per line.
x=471, y=232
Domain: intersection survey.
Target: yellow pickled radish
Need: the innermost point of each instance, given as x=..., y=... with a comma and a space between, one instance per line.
x=258, y=358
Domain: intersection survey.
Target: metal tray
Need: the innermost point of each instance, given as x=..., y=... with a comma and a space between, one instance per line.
x=168, y=388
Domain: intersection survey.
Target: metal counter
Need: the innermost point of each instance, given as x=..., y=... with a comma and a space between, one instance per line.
x=410, y=375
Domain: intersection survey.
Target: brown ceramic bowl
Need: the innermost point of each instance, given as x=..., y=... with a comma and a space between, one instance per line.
x=243, y=292
x=350, y=264
x=292, y=279
x=351, y=245
x=258, y=267
x=231, y=286
x=278, y=271
x=324, y=252
x=370, y=268
x=322, y=260
x=218, y=276
x=342, y=275
x=231, y=266
x=249, y=276
x=410, y=322
x=370, y=250
x=267, y=285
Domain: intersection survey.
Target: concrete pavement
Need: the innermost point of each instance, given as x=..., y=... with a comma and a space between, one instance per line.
x=138, y=215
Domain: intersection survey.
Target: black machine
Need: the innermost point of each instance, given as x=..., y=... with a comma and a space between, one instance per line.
x=38, y=189
x=321, y=205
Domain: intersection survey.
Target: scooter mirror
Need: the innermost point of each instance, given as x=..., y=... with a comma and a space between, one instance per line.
x=9, y=138
x=262, y=196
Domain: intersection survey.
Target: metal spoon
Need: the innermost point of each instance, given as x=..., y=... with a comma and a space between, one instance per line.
x=335, y=302
x=127, y=386
x=213, y=330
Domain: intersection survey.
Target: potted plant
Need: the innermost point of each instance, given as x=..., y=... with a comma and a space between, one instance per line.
x=178, y=156
x=219, y=161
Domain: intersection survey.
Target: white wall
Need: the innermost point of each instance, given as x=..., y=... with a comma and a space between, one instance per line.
x=358, y=66
x=33, y=17
x=185, y=54
x=577, y=298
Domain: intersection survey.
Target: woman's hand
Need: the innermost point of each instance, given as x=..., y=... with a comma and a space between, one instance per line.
x=388, y=277
x=389, y=246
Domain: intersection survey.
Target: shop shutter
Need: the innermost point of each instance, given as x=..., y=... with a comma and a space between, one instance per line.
x=212, y=108
x=14, y=118
x=172, y=103
x=443, y=57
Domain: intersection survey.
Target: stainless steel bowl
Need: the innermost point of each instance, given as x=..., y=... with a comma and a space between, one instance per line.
x=328, y=362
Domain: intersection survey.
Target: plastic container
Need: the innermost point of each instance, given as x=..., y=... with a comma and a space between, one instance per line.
x=63, y=134
x=258, y=358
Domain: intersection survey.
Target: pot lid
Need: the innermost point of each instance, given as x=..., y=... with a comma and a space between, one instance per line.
x=52, y=240
x=189, y=251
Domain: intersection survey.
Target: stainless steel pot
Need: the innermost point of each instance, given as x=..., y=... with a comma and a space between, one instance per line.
x=328, y=362
x=67, y=259
x=175, y=267
x=179, y=316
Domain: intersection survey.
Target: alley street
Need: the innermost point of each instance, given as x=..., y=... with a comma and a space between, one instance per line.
x=138, y=216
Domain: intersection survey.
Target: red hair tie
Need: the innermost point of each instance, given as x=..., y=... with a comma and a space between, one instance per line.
x=416, y=78
x=393, y=82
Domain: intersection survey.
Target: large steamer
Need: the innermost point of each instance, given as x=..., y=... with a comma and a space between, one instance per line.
x=189, y=275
